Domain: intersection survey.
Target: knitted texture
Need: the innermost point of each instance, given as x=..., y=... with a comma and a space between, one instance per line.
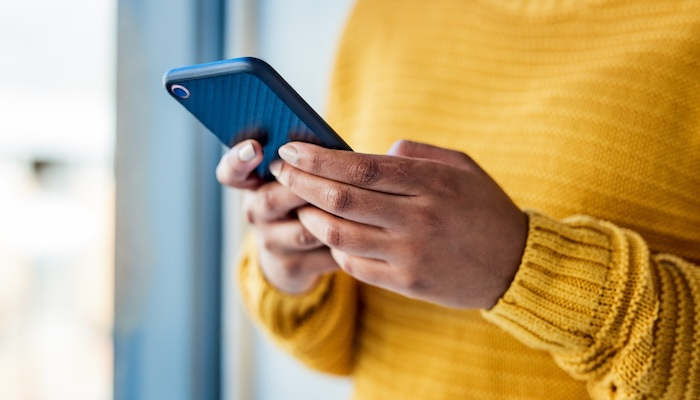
x=587, y=113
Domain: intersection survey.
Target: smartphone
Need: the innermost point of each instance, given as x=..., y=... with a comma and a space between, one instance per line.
x=245, y=98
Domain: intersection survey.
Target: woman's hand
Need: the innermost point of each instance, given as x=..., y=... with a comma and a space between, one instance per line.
x=291, y=258
x=424, y=221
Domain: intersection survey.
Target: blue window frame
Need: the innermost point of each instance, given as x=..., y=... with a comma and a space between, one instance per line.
x=168, y=209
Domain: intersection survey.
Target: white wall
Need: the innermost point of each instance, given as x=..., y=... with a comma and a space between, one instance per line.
x=299, y=38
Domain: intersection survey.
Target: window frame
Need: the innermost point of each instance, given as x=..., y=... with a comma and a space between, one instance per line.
x=168, y=254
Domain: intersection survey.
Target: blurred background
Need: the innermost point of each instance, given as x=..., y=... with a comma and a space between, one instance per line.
x=116, y=242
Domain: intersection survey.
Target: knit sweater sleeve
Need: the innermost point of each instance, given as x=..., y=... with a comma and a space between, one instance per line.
x=609, y=311
x=316, y=327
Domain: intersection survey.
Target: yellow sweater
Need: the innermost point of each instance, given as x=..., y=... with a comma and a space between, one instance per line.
x=585, y=111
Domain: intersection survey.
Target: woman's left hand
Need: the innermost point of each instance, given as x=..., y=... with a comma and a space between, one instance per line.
x=423, y=221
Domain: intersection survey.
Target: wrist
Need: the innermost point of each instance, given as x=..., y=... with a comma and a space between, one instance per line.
x=287, y=279
x=512, y=251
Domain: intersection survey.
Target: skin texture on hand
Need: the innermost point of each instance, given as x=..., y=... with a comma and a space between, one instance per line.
x=425, y=222
x=291, y=258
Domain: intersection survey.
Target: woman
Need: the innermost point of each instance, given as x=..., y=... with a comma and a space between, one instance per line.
x=558, y=260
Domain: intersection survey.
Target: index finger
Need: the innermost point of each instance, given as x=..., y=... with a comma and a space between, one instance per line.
x=381, y=173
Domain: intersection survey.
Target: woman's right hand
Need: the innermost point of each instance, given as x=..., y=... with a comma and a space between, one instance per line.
x=291, y=258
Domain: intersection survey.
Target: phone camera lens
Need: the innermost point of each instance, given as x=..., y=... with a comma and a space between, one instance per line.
x=180, y=91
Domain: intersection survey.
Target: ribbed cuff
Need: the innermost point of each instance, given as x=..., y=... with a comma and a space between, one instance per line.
x=557, y=299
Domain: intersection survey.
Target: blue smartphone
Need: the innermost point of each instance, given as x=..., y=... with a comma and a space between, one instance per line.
x=245, y=98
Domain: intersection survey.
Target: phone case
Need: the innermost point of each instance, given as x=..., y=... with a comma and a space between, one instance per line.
x=245, y=98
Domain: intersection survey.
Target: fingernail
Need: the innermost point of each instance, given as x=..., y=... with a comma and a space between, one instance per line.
x=246, y=153
x=289, y=154
x=275, y=168
x=394, y=148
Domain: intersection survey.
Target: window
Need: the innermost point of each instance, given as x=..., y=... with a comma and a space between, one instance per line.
x=57, y=199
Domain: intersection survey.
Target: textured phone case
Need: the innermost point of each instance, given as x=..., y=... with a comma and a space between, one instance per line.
x=251, y=101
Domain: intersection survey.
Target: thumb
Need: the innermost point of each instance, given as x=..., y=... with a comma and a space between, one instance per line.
x=236, y=168
x=407, y=148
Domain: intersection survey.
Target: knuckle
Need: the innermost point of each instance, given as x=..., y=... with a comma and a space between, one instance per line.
x=337, y=198
x=248, y=207
x=316, y=163
x=403, y=147
x=305, y=238
x=468, y=163
x=269, y=203
x=403, y=171
x=464, y=158
x=439, y=180
x=412, y=282
x=292, y=267
x=250, y=216
x=345, y=263
x=333, y=236
x=364, y=171
x=289, y=175
x=269, y=245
